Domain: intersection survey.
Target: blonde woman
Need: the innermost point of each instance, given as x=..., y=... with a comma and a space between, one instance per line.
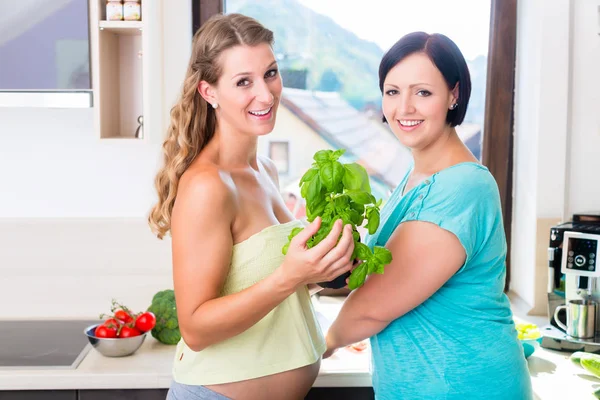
x=248, y=327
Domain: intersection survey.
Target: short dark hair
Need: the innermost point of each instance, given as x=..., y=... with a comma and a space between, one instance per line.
x=445, y=55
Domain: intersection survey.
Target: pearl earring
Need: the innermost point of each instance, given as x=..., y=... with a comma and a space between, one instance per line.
x=215, y=105
x=453, y=106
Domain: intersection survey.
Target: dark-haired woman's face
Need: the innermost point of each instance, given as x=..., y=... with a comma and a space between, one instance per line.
x=416, y=100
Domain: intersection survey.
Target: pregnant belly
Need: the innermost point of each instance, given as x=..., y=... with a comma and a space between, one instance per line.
x=292, y=385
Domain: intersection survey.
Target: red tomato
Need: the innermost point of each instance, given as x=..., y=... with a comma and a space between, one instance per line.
x=145, y=321
x=127, y=331
x=112, y=323
x=357, y=347
x=105, y=332
x=123, y=315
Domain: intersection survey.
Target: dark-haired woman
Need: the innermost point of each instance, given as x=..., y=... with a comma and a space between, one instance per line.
x=439, y=322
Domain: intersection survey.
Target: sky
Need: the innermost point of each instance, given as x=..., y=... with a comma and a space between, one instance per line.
x=466, y=22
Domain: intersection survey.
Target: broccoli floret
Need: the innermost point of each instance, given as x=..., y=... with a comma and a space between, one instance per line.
x=163, y=306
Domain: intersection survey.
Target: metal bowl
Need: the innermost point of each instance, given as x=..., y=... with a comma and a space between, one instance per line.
x=117, y=347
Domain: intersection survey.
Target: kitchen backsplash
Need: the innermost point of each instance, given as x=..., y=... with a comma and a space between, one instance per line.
x=72, y=268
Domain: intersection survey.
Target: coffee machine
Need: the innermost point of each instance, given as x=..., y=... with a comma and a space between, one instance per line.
x=573, y=275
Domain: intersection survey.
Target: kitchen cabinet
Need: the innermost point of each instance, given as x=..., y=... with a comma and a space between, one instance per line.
x=355, y=393
x=127, y=72
x=123, y=394
x=346, y=393
x=38, y=395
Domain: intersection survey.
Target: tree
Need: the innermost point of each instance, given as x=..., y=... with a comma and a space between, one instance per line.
x=329, y=82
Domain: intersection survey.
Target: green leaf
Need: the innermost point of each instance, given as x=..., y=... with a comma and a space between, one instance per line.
x=383, y=255
x=329, y=212
x=322, y=156
x=294, y=232
x=345, y=216
x=358, y=276
x=309, y=175
x=314, y=190
x=285, y=248
x=321, y=234
x=356, y=237
x=337, y=154
x=372, y=266
x=304, y=190
x=356, y=178
x=316, y=209
x=359, y=208
x=331, y=174
x=355, y=217
x=373, y=223
x=362, y=251
x=341, y=203
x=360, y=197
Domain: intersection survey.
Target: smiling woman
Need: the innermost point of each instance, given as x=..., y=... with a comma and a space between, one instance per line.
x=239, y=299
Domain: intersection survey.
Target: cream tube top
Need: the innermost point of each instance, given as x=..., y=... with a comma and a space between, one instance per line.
x=288, y=337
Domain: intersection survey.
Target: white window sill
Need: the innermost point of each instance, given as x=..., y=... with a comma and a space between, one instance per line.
x=46, y=99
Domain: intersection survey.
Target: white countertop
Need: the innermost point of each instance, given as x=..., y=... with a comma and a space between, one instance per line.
x=150, y=367
x=553, y=375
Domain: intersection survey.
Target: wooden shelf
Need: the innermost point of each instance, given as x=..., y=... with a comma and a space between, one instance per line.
x=121, y=27
x=127, y=73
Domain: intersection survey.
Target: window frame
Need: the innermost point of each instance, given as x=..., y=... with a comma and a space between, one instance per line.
x=497, y=143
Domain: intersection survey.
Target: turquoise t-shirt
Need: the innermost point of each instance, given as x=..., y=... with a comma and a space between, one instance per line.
x=460, y=343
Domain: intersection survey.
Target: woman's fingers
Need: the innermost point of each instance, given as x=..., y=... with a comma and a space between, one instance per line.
x=320, y=250
x=301, y=238
x=340, y=251
x=344, y=263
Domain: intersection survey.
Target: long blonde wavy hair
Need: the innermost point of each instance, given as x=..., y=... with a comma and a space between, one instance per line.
x=193, y=120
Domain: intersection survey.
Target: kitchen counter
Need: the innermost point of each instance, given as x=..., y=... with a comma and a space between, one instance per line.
x=150, y=367
x=553, y=375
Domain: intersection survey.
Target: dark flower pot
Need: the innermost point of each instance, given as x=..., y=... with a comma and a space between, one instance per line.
x=337, y=283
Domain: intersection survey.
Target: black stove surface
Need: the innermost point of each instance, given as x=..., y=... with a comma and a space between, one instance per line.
x=42, y=344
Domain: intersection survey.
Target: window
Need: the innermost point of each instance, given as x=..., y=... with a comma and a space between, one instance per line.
x=44, y=45
x=331, y=52
x=279, y=153
x=329, y=55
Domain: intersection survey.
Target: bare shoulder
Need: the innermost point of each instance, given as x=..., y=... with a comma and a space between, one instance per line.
x=271, y=169
x=205, y=190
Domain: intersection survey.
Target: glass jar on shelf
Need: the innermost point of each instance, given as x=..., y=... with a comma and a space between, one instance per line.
x=132, y=10
x=114, y=10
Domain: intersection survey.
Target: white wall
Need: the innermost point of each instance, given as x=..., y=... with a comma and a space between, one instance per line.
x=52, y=163
x=61, y=185
x=556, y=129
x=584, y=191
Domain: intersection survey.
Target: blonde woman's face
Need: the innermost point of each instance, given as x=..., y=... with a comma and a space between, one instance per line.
x=249, y=89
x=416, y=100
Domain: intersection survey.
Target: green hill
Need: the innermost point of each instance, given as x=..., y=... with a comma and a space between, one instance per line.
x=335, y=59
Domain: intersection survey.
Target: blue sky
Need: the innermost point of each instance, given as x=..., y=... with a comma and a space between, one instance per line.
x=464, y=21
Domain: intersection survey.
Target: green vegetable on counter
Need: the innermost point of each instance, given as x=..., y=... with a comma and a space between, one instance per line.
x=167, y=326
x=334, y=190
x=591, y=363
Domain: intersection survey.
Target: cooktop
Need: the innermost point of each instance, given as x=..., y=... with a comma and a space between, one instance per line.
x=43, y=344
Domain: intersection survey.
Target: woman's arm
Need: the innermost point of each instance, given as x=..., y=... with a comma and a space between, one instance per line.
x=202, y=249
x=425, y=256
